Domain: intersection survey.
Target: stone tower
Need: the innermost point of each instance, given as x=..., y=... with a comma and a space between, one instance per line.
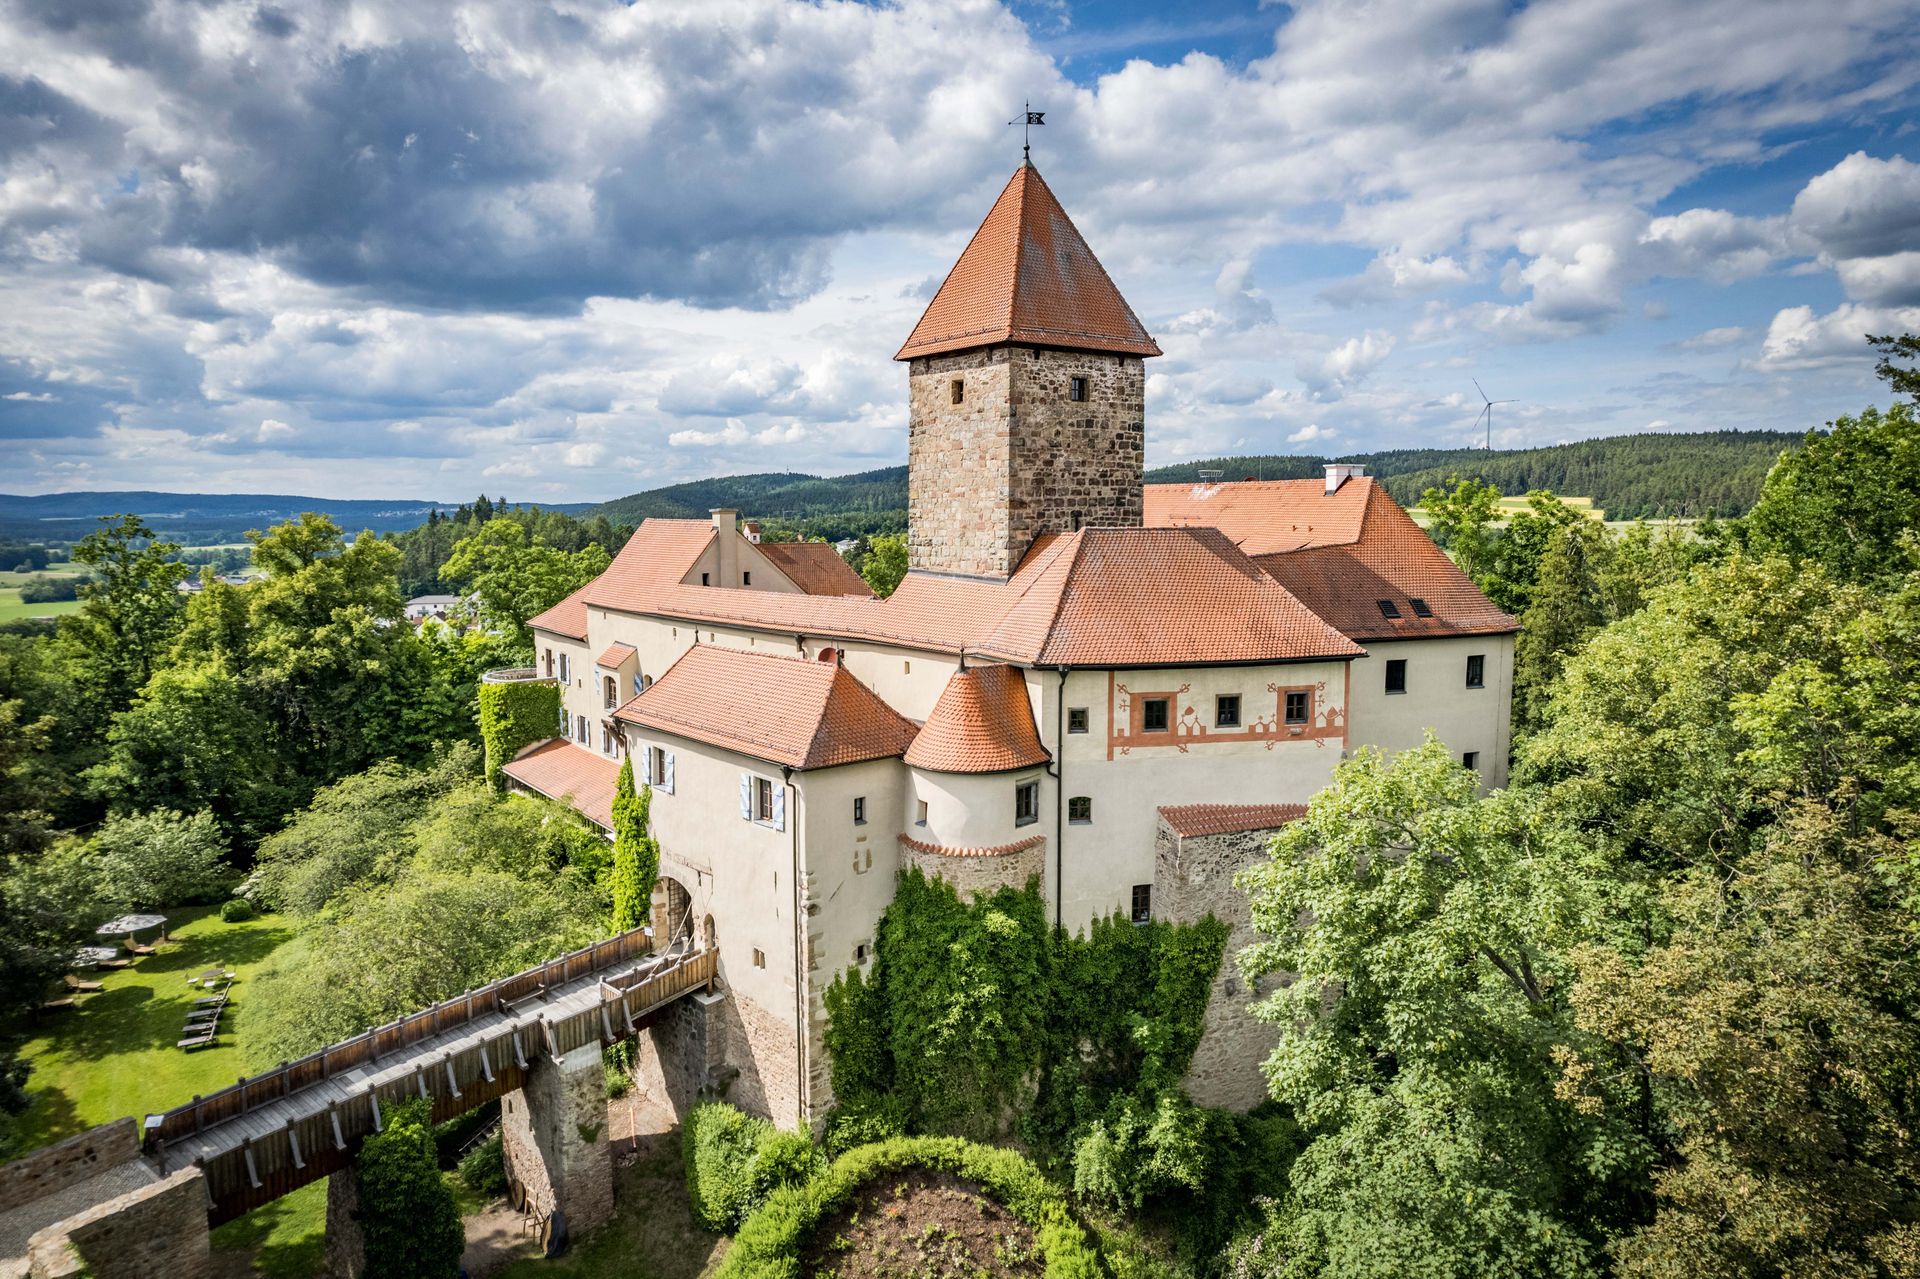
x=1027, y=400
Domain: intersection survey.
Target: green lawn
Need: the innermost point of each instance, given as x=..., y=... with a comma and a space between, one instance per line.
x=115, y=1054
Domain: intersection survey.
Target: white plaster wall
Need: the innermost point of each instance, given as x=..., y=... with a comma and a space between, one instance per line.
x=749, y=561
x=1437, y=698
x=1101, y=861
x=972, y=810
x=580, y=695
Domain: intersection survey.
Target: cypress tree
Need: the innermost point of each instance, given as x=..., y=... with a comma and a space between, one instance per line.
x=636, y=856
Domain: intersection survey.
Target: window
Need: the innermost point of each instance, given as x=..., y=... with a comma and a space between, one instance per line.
x=609, y=690
x=921, y=818
x=706, y=579
x=1397, y=675
x=565, y=669
x=859, y=810
x=1420, y=608
x=1476, y=670
x=762, y=799
x=1389, y=609
x=1026, y=803
x=1299, y=707
x=1226, y=711
x=1153, y=715
x=659, y=769
x=1142, y=903
x=746, y=579
x=1471, y=759
x=549, y=663
x=759, y=958
x=580, y=729
x=1077, y=390
x=1080, y=810
x=606, y=739
x=957, y=390
x=861, y=952
x=1076, y=719
x=906, y=667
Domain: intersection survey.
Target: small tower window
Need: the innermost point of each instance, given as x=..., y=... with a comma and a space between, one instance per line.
x=1026, y=803
x=1080, y=810
x=1142, y=912
x=1076, y=719
x=1077, y=390
x=957, y=390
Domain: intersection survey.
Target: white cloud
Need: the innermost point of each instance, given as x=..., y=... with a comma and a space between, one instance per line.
x=1309, y=433
x=1348, y=364
x=32, y=397
x=1798, y=339
x=1715, y=339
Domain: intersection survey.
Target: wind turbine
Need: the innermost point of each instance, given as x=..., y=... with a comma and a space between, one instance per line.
x=1487, y=412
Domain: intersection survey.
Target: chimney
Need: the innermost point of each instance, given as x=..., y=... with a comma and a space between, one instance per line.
x=1339, y=473
x=727, y=543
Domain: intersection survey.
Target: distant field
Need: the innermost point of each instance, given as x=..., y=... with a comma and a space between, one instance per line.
x=12, y=610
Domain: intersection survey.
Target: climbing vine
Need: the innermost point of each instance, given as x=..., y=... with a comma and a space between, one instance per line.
x=513, y=716
x=636, y=854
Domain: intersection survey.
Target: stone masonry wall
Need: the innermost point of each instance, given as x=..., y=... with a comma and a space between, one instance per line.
x=68, y=1163
x=1018, y=457
x=554, y=1135
x=959, y=463
x=1193, y=878
x=979, y=874
x=159, y=1229
x=675, y=1059
x=1076, y=464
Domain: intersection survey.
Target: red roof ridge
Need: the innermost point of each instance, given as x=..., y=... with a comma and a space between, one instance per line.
x=1192, y=820
x=997, y=850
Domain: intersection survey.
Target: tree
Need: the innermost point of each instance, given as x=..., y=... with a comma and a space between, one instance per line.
x=1428, y=932
x=886, y=563
x=1566, y=607
x=131, y=608
x=409, y=1224
x=1905, y=380
x=514, y=578
x=1777, y=1029
x=1848, y=498
x=636, y=855
x=1461, y=519
x=160, y=859
x=197, y=738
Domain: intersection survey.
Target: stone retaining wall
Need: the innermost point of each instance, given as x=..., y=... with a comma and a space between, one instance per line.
x=68, y=1163
x=973, y=871
x=156, y=1230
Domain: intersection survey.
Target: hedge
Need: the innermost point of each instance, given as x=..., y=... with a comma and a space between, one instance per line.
x=735, y=1161
x=771, y=1240
x=515, y=715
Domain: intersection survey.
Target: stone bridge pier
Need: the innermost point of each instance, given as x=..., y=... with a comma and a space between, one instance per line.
x=554, y=1134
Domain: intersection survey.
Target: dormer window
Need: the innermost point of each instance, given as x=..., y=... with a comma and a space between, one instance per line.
x=1389, y=610
x=1077, y=390
x=957, y=390
x=1420, y=607
x=706, y=579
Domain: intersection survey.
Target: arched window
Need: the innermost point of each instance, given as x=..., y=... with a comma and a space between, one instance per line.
x=610, y=689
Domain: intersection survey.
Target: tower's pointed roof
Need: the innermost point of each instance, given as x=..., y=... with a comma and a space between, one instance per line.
x=1027, y=276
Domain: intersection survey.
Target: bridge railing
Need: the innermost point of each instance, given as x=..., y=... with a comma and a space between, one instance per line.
x=382, y=1041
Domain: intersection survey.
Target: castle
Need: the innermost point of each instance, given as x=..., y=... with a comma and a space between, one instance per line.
x=1118, y=689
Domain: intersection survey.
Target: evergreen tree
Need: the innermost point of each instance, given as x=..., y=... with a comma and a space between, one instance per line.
x=1566, y=607
x=409, y=1223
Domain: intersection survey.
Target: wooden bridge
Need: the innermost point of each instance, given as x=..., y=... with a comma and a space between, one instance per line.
x=273, y=1133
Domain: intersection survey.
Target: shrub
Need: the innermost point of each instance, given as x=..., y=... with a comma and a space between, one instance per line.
x=616, y=1065
x=735, y=1161
x=161, y=858
x=408, y=1220
x=771, y=1240
x=236, y=910
x=484, y=1168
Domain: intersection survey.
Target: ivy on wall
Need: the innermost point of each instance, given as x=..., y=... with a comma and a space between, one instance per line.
x=515, y=715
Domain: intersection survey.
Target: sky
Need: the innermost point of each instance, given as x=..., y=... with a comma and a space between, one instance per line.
x=557, y=250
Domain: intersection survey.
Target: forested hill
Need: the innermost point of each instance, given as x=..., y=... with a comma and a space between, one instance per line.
x=201, y=518
x=1630, y=476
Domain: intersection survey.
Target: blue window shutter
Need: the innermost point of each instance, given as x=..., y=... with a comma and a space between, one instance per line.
x=746, y=797
x=779, y=807
x=666, y=773
x=636, y=683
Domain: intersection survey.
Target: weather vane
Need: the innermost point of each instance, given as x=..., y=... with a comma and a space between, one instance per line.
x=1032, y=118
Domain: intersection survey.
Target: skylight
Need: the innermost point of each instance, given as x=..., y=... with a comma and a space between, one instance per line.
x=1389, y=609
x=1420, y=608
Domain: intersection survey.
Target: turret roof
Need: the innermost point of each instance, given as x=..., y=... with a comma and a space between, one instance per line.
x=1028, y=276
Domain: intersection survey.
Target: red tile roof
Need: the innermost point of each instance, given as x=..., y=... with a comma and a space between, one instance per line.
x=615, y=654
x=1098, y=597
x=1339, y=554
x=815, y=567
x=1028, y=276
x=568, y=617
x=786, y=710
x=1154, y=597
x=572, y=774
x=983, y=723
x=1191, y=820
x=997, y=850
